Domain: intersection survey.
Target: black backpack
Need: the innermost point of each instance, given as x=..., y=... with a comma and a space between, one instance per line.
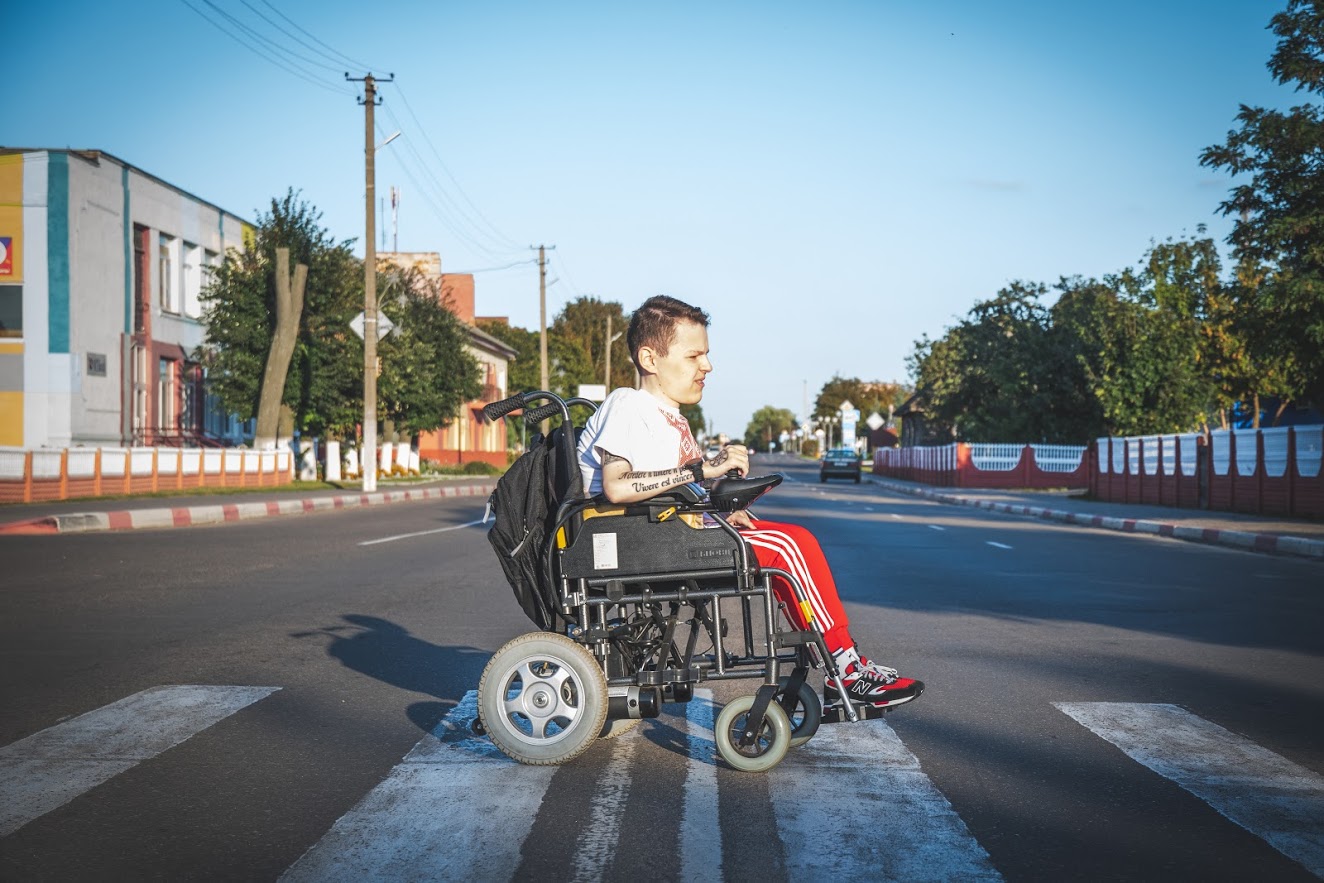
x=525, y=503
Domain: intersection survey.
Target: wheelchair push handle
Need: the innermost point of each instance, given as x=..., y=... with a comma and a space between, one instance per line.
x=538, y=415
x=497, y=410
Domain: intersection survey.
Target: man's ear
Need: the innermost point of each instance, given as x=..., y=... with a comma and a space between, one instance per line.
x=647, y=359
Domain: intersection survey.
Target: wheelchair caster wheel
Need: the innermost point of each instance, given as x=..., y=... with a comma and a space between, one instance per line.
x=806, y=714
x=542, y=699
x=767, y=749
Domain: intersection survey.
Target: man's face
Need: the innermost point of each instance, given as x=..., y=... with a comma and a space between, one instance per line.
x=681, y=371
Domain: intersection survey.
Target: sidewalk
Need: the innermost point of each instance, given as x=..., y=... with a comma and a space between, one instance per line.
x=138, y=513
x=1282, y=536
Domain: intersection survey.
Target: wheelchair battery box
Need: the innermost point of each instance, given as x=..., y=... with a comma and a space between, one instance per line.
x=630, y=545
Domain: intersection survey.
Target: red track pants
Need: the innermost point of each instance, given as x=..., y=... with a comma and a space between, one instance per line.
x=793, y=548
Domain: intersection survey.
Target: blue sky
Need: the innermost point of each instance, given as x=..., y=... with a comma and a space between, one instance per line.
x=831, y=181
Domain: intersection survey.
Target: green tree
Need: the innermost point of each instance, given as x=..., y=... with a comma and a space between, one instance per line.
x=767, y=425
x=1278, y=237
x=524, y=372
x=583, y=323
x=996, y=375
x=692, y=413
x=428, y=372
x=324, y=384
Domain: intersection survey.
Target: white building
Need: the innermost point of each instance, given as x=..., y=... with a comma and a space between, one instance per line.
x=101, y=266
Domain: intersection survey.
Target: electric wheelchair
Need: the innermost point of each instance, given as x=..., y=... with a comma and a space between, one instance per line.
x=634, y=604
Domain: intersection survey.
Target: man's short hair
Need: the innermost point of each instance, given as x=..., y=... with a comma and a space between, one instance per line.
x=654, y=324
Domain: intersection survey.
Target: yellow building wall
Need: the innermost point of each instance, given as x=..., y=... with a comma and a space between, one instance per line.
x=11, y=215
x=11, y=419
x=11, y=273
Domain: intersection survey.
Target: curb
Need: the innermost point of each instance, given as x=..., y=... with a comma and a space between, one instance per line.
x=224, y=513
x=1267, y=543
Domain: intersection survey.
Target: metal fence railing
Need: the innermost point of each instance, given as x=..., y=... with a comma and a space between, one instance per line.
x=58, y=474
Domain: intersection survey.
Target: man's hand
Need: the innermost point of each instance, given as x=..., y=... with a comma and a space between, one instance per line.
x=730, y=457
x=741, y=518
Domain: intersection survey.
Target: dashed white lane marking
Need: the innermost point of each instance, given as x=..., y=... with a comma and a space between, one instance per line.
x=600, y=838
x=700, y=827
x=997, y=545
x=454, y=807
x=421, y=533
x=1268, y=795
x=863, y=809
x=936, y=527
x=48, y=769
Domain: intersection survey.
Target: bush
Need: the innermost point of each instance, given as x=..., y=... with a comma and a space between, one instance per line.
x=478, y=467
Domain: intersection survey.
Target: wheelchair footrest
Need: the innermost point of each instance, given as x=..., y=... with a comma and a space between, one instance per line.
x=836, y=714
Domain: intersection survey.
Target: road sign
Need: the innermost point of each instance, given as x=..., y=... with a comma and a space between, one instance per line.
x=384, y=325
x=594, y=392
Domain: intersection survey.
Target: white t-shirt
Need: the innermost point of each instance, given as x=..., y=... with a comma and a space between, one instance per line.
x=644, y=430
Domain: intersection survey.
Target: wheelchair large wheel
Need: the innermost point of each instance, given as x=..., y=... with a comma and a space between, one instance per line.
x=766, y=751
x=543, y=699
x=619, y=727
x=807, y=714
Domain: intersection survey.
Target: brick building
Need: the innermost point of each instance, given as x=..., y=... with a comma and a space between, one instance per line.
x=470, y=437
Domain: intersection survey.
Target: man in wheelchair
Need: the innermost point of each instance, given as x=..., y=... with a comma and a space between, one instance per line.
x=602, y=533
x=638, y=445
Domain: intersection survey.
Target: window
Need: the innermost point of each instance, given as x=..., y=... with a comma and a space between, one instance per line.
x=139, y=394
x=165, y=399
x=169, y=264
x=190, y=417
x=142, y=301
x=11, y=310
x=192, y=279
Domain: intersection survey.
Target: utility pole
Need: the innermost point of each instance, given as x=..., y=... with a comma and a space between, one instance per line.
x=368, y=468
x=606, y=371
x=542, y=313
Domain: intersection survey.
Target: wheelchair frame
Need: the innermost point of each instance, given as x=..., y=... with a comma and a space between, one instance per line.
x=546, y=696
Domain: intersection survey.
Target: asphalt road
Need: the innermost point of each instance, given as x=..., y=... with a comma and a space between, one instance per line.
x=369, y=628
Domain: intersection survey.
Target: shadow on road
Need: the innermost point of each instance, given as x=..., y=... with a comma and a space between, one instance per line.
x=387, y=652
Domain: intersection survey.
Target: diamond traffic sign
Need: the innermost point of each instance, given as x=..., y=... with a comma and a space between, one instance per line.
x=384, y=325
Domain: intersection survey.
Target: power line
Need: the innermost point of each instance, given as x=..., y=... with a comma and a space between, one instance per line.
x=272, y=43
x=303, y=75
x=345, y=58
x=442, y=163
x=495, y=269
x=442, y=214
x=339, y=64
x=445, y=196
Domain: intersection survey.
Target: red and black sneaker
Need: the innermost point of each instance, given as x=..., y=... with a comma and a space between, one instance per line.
x=875, y=685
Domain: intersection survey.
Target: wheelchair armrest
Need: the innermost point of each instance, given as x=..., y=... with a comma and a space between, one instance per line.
x=730, y=494
x=685, y=495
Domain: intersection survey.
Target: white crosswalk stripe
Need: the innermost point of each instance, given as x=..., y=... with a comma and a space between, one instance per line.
x=863, y=809
x=597, y=841
x=852, y=804
x=1275, y=799
x=700, y=826
x=50, y=768
x=432, y=817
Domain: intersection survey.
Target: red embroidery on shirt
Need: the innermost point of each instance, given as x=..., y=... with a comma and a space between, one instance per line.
x=689, y=448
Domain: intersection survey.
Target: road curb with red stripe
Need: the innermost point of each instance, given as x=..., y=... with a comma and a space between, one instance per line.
x=1273, y=544
x=224, y=513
